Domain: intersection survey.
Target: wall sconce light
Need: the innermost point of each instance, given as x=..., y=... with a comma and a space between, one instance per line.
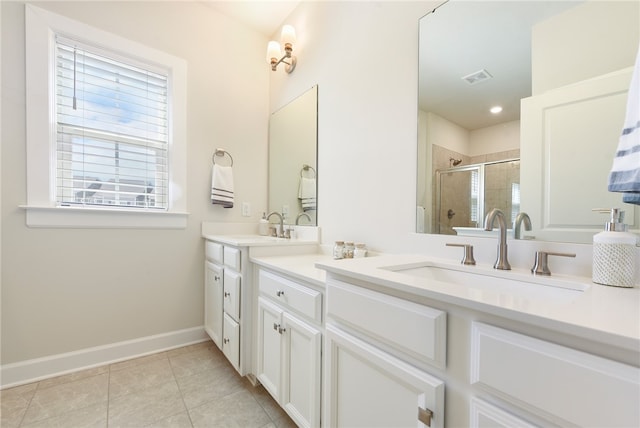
x=288, y=39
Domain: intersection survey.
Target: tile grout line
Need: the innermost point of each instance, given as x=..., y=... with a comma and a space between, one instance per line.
x=26, y=409
x=180, y=390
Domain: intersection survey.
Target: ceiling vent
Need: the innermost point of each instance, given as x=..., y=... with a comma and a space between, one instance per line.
x=477, y=77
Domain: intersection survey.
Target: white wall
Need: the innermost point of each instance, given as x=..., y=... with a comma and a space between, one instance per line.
x=495, y=139
x=364, y=58
x=70, y=289
x=587, y=31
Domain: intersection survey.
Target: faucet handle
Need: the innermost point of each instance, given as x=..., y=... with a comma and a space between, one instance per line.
x=541, y=265
x=467, y=259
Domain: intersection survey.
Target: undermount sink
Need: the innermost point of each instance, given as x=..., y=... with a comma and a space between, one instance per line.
x=486, y=277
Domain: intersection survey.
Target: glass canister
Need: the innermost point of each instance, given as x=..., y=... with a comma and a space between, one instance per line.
x=360, y=251
x=338, y=250
x=348, y=250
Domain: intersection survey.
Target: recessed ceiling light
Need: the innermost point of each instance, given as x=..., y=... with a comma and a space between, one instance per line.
x=496, y=109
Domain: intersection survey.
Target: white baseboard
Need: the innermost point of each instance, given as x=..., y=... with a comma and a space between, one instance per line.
x=28, y=371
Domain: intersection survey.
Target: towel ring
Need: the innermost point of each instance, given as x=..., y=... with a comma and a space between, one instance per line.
x=221, y=153
x=306, y=167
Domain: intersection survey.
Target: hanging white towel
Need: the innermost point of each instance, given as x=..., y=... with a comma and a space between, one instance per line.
x=222, y=186
x=625, y=173
x=307, y=193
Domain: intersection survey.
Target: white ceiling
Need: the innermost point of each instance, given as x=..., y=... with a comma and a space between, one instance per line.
x=265, y=16
x=463, y=37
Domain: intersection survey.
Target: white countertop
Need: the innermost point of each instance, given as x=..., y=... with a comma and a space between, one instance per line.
x=252, y=240
x=605, y=314
x=301, y=267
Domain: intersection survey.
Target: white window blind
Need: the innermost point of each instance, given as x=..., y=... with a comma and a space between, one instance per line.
x=475, y=195
x=112, y=129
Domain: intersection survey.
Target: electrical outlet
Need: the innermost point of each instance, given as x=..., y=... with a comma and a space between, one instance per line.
x=246, y=209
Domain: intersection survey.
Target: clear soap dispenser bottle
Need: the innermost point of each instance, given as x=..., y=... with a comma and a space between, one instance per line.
x=614, y=252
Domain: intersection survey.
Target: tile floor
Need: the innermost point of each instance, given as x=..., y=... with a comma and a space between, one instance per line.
x=193, y=386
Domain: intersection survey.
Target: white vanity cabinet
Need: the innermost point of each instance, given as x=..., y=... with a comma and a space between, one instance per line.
x=289, y=340
x=561, y=385
x=226, y=320
x=378, y=350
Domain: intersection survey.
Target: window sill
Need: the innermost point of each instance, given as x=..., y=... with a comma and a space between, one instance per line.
x=102, y=218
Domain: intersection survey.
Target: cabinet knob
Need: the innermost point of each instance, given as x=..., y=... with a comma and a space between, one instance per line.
x=424, y=416
x=227, y=294
x=216, y=278
x=281, y=330
x=276, y=326
x=225, y=340
x=279, y=293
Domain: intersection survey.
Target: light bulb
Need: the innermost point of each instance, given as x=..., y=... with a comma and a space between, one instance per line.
x=273, y=51
x=288, y=36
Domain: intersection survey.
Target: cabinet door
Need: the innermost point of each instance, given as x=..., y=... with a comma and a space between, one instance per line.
x=301, y=371
x=213, y=289
x=269, y=347
x=485, y=415
x=366, y=387
x=232, y=293
x=580, y=123
x=231, y=341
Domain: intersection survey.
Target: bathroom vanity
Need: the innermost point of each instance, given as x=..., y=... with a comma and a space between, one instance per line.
x=230, y=301
x=476, y=348
x=406, y=340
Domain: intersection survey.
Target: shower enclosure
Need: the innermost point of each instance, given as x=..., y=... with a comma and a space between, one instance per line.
x=464, y=194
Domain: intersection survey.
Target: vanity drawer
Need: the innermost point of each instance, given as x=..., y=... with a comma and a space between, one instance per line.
x=299, y=298
x=415, y=330
x=232, y=258
x=578, y=388
x=214, y=251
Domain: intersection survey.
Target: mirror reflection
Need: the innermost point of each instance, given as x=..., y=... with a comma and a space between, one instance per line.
x=292, y=160
x=476, y=55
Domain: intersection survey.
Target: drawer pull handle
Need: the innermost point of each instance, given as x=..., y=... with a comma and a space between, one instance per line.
x=227, y=294
x=424, y=416
x=279, y=293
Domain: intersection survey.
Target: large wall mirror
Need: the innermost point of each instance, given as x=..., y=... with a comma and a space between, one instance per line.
x=560, y=72
x=293, y=169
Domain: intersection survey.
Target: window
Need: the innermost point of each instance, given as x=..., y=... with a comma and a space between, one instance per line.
x=475, y=196
x=111, y=126
x=106, y=128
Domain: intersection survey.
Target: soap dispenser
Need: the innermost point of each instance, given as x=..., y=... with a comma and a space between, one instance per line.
x=614, y=252
x=263, y=226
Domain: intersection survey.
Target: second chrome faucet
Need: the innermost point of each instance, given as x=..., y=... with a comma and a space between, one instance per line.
x=502, y=261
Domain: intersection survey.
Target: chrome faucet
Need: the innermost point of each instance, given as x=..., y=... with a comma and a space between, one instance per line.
x=281, y=233
x=303, y=214
x=501, y=261
x=521, y=217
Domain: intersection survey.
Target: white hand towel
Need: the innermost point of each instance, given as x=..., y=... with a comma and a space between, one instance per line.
x=307, y=193
x=222, y=186
x=625, y=173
